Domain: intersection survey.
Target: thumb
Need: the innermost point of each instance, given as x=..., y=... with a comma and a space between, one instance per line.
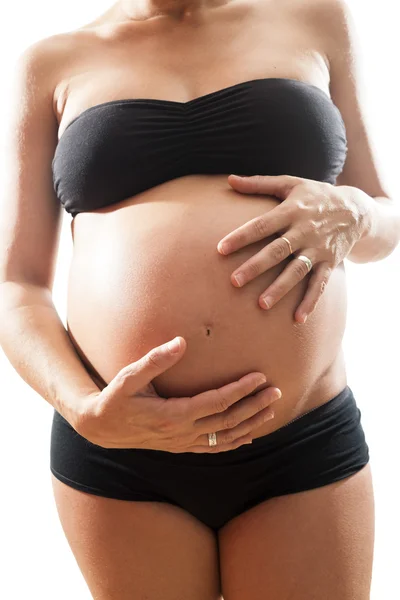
x=138, y=374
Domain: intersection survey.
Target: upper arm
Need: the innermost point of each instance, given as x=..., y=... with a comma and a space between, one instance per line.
x=30, y=215
x=347, y=88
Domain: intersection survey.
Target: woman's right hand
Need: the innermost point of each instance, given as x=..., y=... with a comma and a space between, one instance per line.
x=128, y=413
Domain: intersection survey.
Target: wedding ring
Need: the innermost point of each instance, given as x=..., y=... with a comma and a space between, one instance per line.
x=212, y=439
x=290, y=245
x=306, y=260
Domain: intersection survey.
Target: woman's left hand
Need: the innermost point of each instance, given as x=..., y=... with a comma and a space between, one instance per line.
x=321, y=221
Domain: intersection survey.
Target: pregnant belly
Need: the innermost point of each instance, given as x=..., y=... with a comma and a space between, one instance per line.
x=147, y=269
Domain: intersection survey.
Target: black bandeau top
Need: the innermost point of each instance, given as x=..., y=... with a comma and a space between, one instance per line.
x=272, y=126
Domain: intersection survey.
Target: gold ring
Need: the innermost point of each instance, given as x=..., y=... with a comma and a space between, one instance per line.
x=286, y=240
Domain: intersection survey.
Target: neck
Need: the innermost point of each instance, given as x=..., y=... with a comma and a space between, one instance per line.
x=139, y=10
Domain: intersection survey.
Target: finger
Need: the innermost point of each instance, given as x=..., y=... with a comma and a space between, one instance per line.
x=318, y=282
x=218, y=400
x=276, y=185
x=269, y=256
x=206, y=449
x=290, y=276
x=138, y=374
x=245, y=429
x=238, y=413
x=256, y=229
x=242, y=431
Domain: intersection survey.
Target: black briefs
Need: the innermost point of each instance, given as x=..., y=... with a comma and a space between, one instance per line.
x=324, y=445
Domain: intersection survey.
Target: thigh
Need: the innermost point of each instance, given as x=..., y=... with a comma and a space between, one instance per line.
x=134, y=550
x=305, y=546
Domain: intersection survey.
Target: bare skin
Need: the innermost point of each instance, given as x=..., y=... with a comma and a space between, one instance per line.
x=228, y=335
x=117, y=543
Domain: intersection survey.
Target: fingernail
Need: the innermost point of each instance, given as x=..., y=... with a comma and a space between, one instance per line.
x=239, y=278
x=267, y=301
x=277, y=394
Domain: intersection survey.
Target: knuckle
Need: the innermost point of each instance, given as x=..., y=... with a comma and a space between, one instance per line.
x=259, y=226
x=166, y=424
x=299, y=268
x=182, y=442
x=241, y=238
x=264, y=404
x=256, y=181
x=121, y=377
x=279, y=250
x=152, y=359
x=325, y=186
x=182, y=411
x=313, y=187
x=163, y=426
x=254, y=268
x=230, y=421
x=240, y=442
x=221, y=402
x=295, y=179
x=176, y=408
x=227, y=438
x=299, y=203
x=276, y=291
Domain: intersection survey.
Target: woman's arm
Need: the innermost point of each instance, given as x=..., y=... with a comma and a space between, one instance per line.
x=37, y=345
x=362, y=175
x=31, y=333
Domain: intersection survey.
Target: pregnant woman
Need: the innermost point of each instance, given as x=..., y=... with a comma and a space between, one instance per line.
x=135, y=125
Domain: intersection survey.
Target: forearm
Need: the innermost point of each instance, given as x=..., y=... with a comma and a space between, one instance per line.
x=37, y=345
x=381, y=228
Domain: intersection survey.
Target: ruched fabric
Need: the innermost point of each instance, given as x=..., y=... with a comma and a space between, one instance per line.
x=271, y=126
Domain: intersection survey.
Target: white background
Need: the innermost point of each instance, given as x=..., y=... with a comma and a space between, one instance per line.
x=38, y=561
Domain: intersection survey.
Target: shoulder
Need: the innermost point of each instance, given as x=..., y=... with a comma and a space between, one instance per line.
x=38, y=65
x=333, y=24
x=336, y=22
x=42, y=54
x=34, y=76
x=326, y=10
x=53, y=51
x=44, y=67
x=331, y=21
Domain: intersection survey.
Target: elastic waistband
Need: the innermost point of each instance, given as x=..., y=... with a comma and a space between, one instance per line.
x=345, y=398
x=344, y=403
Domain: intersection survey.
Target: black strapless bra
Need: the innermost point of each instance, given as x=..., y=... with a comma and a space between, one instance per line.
x=271, y=126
